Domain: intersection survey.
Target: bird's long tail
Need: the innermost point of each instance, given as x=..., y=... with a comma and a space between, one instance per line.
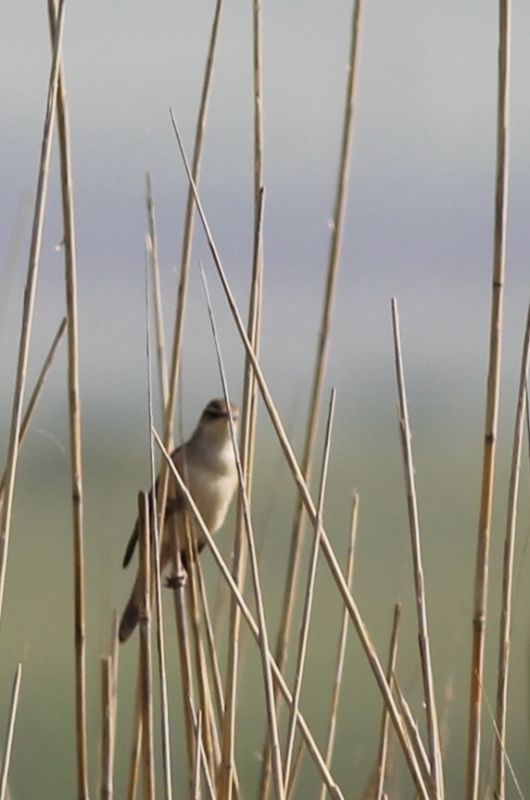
x=130, y=616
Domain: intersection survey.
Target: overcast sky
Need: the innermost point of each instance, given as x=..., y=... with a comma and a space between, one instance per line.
x=419, y=222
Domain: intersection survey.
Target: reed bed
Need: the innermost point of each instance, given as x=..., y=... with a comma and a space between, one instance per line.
x=193, y=681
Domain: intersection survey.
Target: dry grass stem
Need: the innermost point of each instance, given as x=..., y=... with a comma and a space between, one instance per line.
x=29, y=302
x=107, y=730
x=199, y=742
x=179, y=597
x=152, y=251
x=385, y=721
x=309, y=594
x=413, y=731
x=8, y=746
x=295, y=771
x=188, y=227
x=37, y=389
x=157, y=581
x=433, y=735
x=196, y=788
x=184, y=647
x=507, y=574
x=291, y=579
x=248, y=425
x=209, y=730
x=227, y=575
x=136, y=747
x=74, y=408
x=341, y=652
x=260, y=607
x=146, y=684
x=287, y=449
x=492, y=407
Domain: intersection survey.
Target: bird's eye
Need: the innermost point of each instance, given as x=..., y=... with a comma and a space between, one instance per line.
x=215, y=413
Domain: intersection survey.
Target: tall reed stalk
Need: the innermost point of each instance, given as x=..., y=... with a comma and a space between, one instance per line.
x=492, y=407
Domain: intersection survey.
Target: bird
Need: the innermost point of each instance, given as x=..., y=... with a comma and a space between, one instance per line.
x=206, y=463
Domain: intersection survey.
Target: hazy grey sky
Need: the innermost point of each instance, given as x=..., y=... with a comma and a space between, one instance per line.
x=421, y=190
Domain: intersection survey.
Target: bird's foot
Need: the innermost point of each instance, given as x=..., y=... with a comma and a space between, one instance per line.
x=177, y=580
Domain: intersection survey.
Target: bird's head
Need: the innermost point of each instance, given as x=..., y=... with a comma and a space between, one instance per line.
x=215, y=419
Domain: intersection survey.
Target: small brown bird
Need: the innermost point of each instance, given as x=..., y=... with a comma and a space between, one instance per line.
x=206, y=462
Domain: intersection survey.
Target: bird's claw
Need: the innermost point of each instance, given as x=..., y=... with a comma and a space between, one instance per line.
x=177, y=580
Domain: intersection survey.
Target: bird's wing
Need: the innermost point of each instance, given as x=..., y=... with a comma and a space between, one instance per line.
x=131, y=544
x=175, y=502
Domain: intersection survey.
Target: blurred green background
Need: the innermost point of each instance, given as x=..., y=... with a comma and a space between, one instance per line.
x=419, y=227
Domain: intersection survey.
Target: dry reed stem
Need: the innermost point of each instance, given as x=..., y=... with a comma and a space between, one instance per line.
x=294, y=467
x=413, y=731
x=433, y=736
x=74, y=414
x=179, y=598
x=291, y=579
x=196, y=786
x=107, y=744
x=157, y=582
x=184, y=648
x=37, y=389
x=248, y=426
x=210, y=734
x=507, y=574
x=188, y=227
x=29, y=302
x=341, y=652
x=152, y=250
x=309, y=594
x=144, y=620
x=251, y=546
x=8, y=746
x=492, y=408
x=337, y=228
x=210, y=645
x=136, y=748
x=295, y=771
x=385, y=720
x=202, y=752
x=509, y=764
x=227, y=575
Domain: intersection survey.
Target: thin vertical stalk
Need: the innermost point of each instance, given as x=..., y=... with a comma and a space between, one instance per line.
x=301, y=484
x=210, y=641
x=308, y=596
x=203, y=759
x=196, y=787
x=385, y=720
x=152, y=250
x=263, y=636
x=146, y=683
x=136, y=749
x=433, y=735
x=174, y=371
x=107, y=744
x=37, y=389
x=188, y=226
x=492, y=407
x=74, y=408
x=184, y=648
x=291, y=579
x=248, y=425
x=29, y=301
x=157, y=582
x=341, y=653
x=8, y=746
x=210, y=737
x=507, y=574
